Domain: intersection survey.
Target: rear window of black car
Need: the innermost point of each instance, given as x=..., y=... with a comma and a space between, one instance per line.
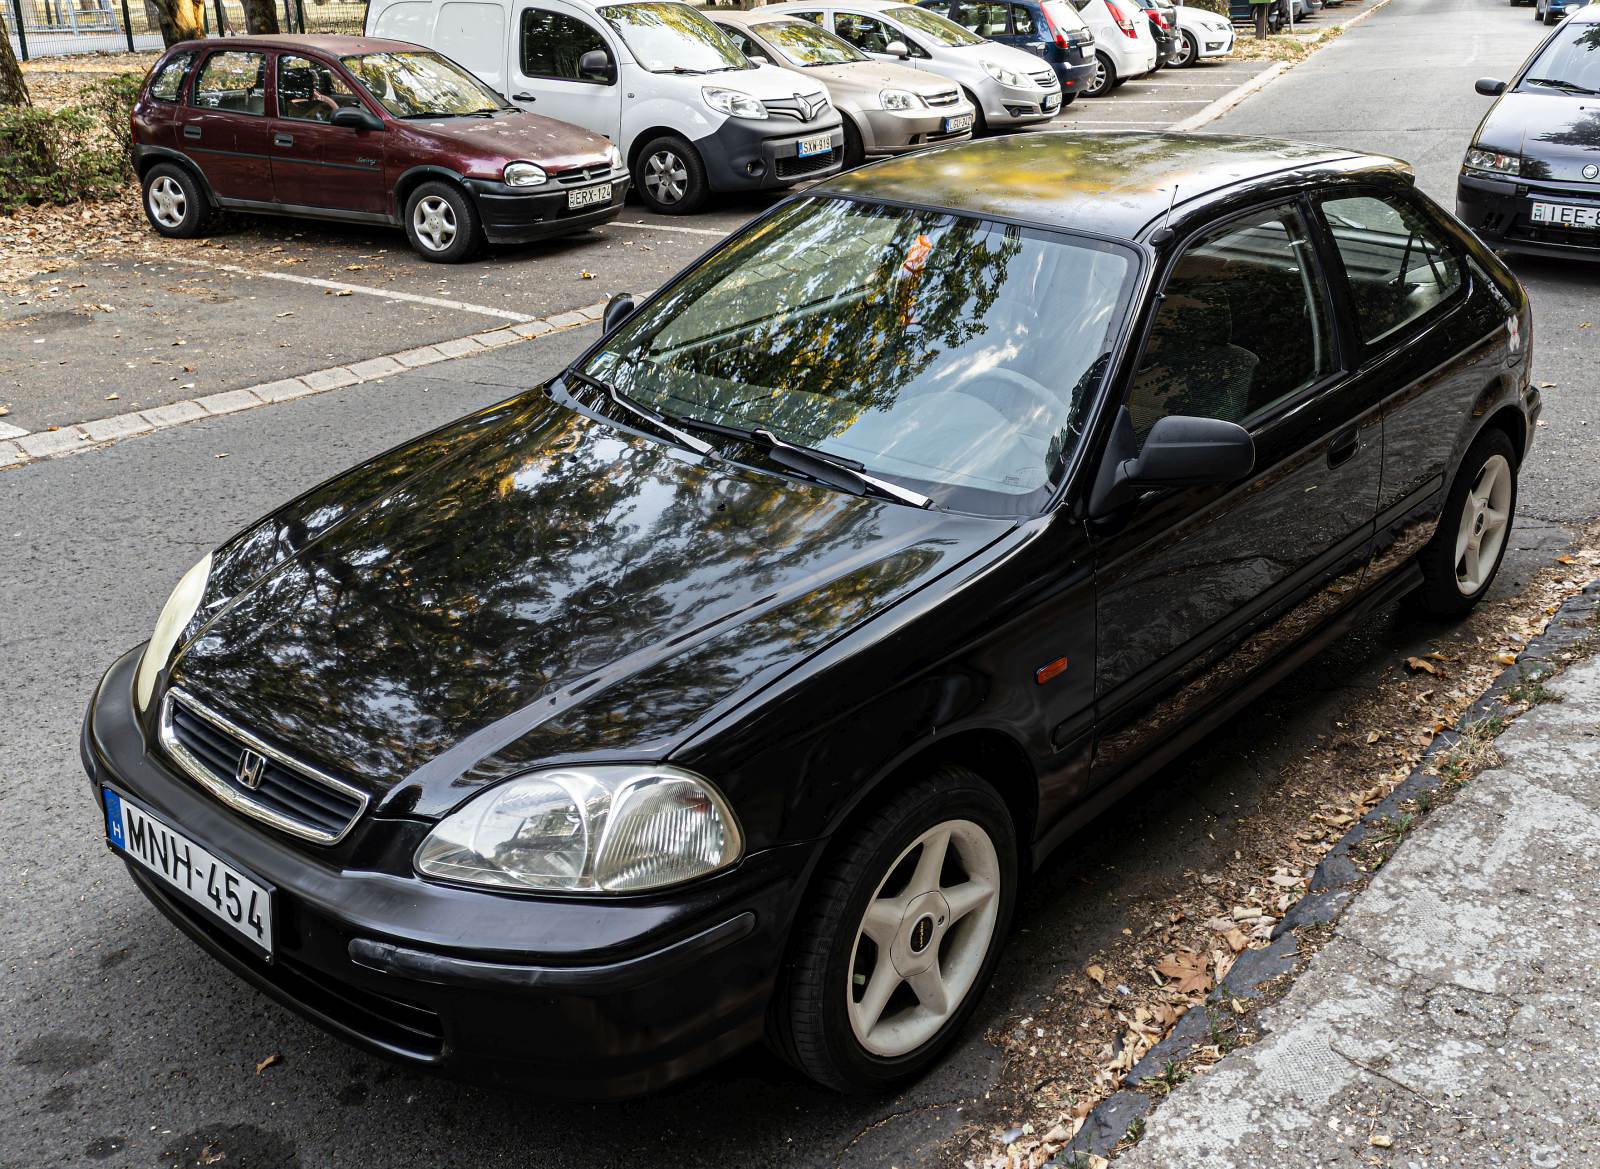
x=1569, y=63
x=168, y=79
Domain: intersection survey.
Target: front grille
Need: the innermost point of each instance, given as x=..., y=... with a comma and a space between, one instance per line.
x=1045, y=79
x=583, y=175
x=792, y=167
x=799, y=107
x=292, y=796
x=947, y=97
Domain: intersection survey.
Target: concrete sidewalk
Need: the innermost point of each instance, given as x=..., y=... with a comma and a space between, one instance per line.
x=1451, y=1020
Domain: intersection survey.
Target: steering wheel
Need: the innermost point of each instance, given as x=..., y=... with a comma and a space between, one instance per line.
x=1049, y=402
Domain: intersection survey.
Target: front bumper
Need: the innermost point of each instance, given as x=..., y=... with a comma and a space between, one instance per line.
x=577, y=997
x=897, y=131
x=1213, y=42
x=1500, y=212
x=746, y=155
x=514, y=215
x=1018, y=105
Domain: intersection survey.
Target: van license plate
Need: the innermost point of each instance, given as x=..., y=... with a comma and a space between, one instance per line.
x=1564, y=215
x=808, y=147
x=960, y=122
x=588, y=196
x=241, y=904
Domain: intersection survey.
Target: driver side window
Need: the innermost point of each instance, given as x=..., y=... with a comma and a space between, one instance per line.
x=553, y=43
x=310, y=91
x=865, y=33
x=1242, y=325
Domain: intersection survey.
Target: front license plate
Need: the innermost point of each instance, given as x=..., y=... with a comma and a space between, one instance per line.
x=588, y=196
x=1565, y=215
x=957, y=123
x=1051, y=103
x=240, y=903
x=821, y=144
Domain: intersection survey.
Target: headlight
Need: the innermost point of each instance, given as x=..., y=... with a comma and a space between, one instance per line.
x=524, y=174
x=731, y=101
x=180, y=608
x=614, y=157
x=613, y=828
x=1493, y=160
x=1003, y=75
x=898, y=99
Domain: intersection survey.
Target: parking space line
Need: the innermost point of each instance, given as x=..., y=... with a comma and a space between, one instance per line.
x=357, y=289
x=1163, y=101
x=26, y=448
x=639, y=225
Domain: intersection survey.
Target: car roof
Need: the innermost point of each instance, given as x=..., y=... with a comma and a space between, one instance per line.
x=752, y=16
x=330, y=44
x=1588, y=14
x=863, y=5
x=1113, y=183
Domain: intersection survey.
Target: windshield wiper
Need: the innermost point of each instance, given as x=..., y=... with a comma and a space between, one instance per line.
x=635, y=407
x=845, y=474
x=1569, y=86
x=431, y=114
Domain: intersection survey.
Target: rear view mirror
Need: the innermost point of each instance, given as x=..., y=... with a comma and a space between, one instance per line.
x=897, y=49
x=618, y=309
x=1179, y=451
x=595, y=65
x=1490, y=87
x=357, y=118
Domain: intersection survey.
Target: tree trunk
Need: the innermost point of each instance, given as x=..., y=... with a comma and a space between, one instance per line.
x=181, y=20
x=260, y=17
x=13, y=89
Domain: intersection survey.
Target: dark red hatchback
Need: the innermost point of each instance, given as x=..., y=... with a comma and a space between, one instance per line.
x=361, y=130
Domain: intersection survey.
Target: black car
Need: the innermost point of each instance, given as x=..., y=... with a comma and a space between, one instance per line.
x=730, y=683
x=1530, y=181
x=1163, y=20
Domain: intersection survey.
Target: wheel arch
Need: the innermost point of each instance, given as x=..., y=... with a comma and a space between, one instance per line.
x=644, y=137
x=151, y=157
x=410, y=180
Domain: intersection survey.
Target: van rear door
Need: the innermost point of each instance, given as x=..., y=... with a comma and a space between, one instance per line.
x=472, y=33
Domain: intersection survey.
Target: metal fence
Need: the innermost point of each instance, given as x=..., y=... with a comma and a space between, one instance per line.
x=46, y=28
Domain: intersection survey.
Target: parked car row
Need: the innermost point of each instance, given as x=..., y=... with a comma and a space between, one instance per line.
x=508, y=120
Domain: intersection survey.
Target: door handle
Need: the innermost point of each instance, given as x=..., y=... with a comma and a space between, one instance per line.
x=1344, y=447
x=191, y=131
x=283, y=139
x=523, y=97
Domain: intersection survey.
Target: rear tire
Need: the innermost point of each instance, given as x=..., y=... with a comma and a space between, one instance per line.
x=174, y=201
x=1104, y=78
x=442, y=223
x=669, y=176
x=937, y=869
x=1460, y=562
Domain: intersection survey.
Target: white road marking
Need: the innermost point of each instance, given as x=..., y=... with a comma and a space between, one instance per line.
x=355, y=289
x=639, y=226
x=1163, y=101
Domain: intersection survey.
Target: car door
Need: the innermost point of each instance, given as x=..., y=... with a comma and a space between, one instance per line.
x=874, y=36
x=315, y=163
x=1405, y=280
x=550, y=38
x=225, y=127
x=1198, y=587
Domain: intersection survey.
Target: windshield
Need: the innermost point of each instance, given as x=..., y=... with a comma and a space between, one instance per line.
x=805, y=44
x=421, y=84
x=952, y=355
x=1571, y=61
x=673, y=38
x=933, y=26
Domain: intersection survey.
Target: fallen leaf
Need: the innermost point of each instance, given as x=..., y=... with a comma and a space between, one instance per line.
x=210, y=1154
x=1236, y=939
x=1096, y=973
x=1187, y=969
x=586, y=275
x=112, y=397
x=224, y=455
x=1374, y=736
x=1380, y=1140
x=342, y=292
x=1507, y=659
x=272, y=1059
x=1566, y=560
x=1420, y=665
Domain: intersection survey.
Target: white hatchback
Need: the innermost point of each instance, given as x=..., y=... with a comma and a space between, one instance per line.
x=1124, y=46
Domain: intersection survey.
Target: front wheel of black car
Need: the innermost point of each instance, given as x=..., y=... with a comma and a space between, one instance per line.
x=174, y=202
x=442, y=223
x=1460, y=562
x=900, y=936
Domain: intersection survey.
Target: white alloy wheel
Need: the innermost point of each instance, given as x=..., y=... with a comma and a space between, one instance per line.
x=922, y=941
x=434, y=221
x=666, y=176
x=1188, y=49
x=168, y=203
x=1485, y=520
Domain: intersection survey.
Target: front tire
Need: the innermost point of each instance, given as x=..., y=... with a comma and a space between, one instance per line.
x=1460, y=562
x=854, y=152
x=670, y=177
x=1104, y=78
x=900, y=935
x=174, y=202
x=980, y=124
x=1188, y=51
x=442, y=223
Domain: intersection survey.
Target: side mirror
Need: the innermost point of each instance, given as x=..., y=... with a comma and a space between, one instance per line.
x=757, y=59
x=897, y=49
x=618, y=309
x=357, y=118
x=596, y=65
x=1179, y=451
x=1489, y=86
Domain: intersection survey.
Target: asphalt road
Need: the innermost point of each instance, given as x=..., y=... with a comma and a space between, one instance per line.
x=121, y=1045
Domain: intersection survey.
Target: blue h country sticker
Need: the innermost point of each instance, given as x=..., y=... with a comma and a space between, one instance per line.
x=114, y=818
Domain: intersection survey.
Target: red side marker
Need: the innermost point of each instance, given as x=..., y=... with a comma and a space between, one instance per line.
x=1050, y=670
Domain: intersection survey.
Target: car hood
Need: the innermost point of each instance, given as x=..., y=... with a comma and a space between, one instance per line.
x=1017, y=60
x=533, y=584
x=871, y=77
x=555, y=146
x=1556, y=134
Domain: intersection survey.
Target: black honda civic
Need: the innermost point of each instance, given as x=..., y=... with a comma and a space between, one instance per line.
x=729, y=684
x=1530, y=181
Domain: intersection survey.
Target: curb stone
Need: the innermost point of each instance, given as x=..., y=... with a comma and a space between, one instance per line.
x=1334, y=884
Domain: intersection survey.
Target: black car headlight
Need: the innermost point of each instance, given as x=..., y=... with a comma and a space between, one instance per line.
x=612, y=828
x=1493, y=161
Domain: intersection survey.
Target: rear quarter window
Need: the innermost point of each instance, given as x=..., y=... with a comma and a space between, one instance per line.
x=1398, y=265
x=167, y=82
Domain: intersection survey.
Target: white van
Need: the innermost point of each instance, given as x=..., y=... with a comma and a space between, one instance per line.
x=689, y=112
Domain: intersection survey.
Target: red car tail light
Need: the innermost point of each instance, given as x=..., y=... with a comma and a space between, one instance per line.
x=1121, y=17
x=1156, y=18
x=1050, y=26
